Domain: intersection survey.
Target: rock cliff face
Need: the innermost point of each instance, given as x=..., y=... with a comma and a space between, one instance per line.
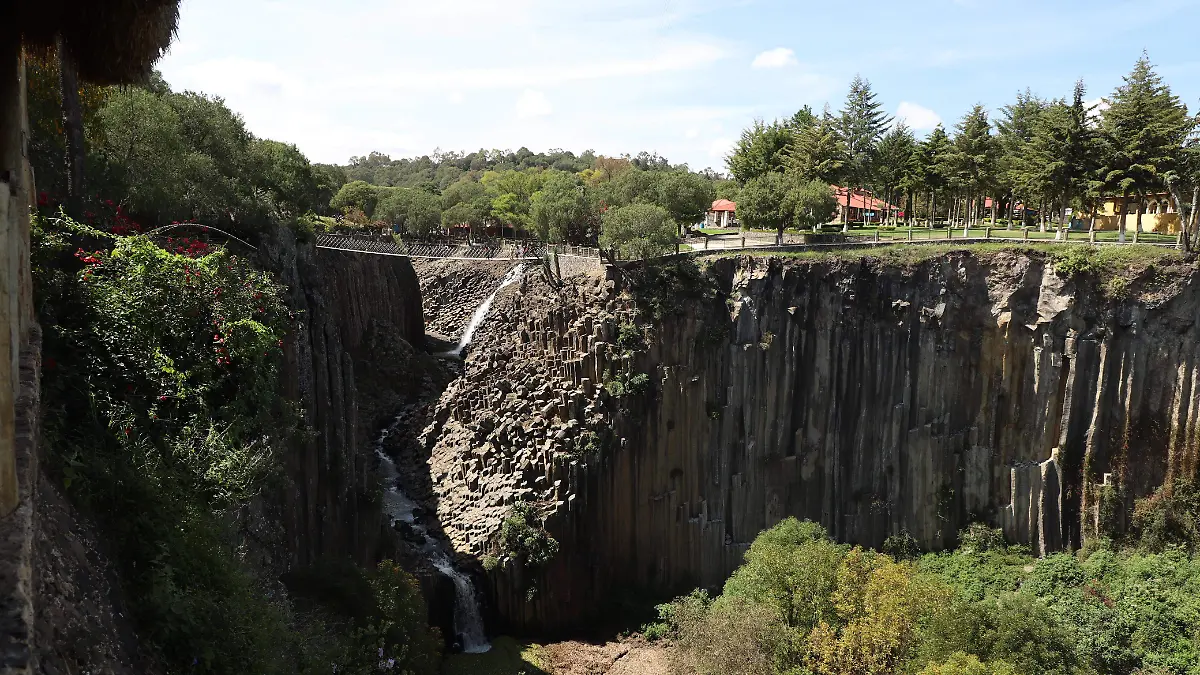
x=872, y=399
x=356, y=315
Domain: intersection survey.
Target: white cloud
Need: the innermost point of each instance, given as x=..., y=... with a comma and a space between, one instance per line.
x=917, y=117
x=779, y=57
x=720, y=147
x=533, y=104
x=1097, y=106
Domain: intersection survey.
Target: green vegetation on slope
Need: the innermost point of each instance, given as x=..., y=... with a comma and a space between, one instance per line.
x=162, y=421
x=804, y=604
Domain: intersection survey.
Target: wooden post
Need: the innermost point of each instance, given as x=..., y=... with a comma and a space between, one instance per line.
x=987, y=231
x=1024, y=232
x=949, y=232
x=14, y=254
x=1092, y=236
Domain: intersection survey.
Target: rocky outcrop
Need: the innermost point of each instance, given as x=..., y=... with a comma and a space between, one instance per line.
x=874, y=399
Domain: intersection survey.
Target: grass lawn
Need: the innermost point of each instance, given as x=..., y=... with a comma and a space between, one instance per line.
x=507, y=657
x=716, y=230
x=901, y=234
x=1124, y=260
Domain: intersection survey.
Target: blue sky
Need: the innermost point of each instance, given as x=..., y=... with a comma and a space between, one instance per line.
x=680, y=77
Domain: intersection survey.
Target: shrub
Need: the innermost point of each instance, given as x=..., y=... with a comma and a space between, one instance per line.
x=902, y=546
x=625, y=384
x=524, y=540
x=1169, y=517
x=979, y=538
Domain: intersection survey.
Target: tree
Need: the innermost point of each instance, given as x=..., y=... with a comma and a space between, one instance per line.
x=817, y=152
x=329, y=180
x=1014, y=134
x=895, y=160
x=762, y=203
x=802, y=119
x=563, y=210
x=974, y=156
x=793, y=569
x=1061, y=156
x=933, y=173
x=358, y=194
x=761, y=149
x=638, y=231
x=1145, y=128
x=286, y=173
x=685, y=195
x=416, y=212
x=811, y=204
x=863, y=122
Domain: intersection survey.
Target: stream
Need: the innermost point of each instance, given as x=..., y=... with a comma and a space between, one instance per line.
x=468, y=622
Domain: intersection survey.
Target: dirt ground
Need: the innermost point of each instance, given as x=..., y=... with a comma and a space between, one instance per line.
x=629, y=657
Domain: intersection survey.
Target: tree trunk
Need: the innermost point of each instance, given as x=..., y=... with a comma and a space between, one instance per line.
x=932, y=208
x=1121, y=218
x=1141, y=207
x=1192, y=220
x=970, y=216
x=1012, y=209
x=72, y=115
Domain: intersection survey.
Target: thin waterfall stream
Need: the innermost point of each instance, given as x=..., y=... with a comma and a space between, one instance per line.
x=481, y=312
x=468, y=621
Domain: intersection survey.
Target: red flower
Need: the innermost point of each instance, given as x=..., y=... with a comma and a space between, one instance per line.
x=162, y=398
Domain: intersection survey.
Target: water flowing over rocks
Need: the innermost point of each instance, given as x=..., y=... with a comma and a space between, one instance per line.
x=873, y=399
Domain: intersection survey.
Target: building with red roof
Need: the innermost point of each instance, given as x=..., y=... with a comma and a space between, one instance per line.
x=721, y=215
x=863, y=207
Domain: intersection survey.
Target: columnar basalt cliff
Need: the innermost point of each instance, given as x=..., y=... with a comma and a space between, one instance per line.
x=875, y=399
x=357, y=317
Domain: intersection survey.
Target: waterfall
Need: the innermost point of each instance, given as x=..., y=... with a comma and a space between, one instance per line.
x=468, y=622
x=481, y=312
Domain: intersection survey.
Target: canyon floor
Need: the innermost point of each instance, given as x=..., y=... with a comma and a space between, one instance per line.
x=508, y=657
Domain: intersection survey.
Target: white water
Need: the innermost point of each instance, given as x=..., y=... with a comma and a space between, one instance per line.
x=482, y=310
x=468, y=624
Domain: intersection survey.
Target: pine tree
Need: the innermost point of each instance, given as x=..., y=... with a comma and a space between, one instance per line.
x=894, y=160
x=803, y=119
x=975, y=156
x=934, y=167
x=1014, y=132
x=1063, y=151
x=1145, y=128
x=759, y=151
x=817, y=152
x=863, y=122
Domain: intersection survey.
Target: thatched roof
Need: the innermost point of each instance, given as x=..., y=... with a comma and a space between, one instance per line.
x=112, y=41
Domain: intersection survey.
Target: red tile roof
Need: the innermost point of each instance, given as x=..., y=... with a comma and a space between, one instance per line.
x=724, y=205
x=861, y=200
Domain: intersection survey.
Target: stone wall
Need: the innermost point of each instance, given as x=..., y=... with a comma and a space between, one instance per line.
x=872, y=399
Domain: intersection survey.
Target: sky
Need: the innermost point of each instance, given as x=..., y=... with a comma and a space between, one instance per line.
x=677, y=77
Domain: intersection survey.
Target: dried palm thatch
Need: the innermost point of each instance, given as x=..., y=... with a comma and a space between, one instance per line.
x=112, y=41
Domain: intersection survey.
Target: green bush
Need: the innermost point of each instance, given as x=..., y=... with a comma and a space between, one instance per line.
x=161, y=417
x=522, y=538
x=1170, y=517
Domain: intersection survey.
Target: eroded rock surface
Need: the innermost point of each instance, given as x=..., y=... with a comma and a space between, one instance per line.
x=872, y=399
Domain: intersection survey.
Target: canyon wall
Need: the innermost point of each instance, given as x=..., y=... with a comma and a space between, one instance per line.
x=874, y=399
x=357, y=317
